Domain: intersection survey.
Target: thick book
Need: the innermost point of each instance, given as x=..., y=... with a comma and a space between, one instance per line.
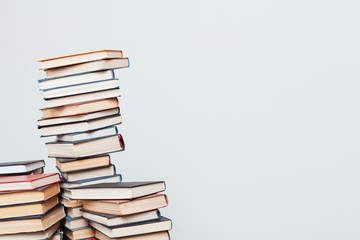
x=118, y=191
x=74, y=212
x=81, y=108
x=22, y=197
x=97, y=172
x=104, y=132
x=125, y=230
x=38, y=223
x=93, y=66
x=149, y=236
x=114, y=220
x=79, y=234
x=28, y=209
x=70, y=203
x=85, y=148
x=74, y=164
x=82, y=98
x=27, y=182
x=79, y=127
x=81, y=88
x=75, y=223
x=57, y=236
x=107, y=179
x=74, y=80
x=22, y=167
x=78, y=118
x=126, y=207
x=41, y=235
x=79, y=58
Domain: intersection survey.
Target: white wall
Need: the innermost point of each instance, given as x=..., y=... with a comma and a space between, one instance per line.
x=248, y=109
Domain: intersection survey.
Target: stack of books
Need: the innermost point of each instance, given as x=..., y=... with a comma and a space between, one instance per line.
x=82, y=111
x=29, y=205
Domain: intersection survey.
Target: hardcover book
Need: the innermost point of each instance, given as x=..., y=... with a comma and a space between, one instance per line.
x=81, y=108
x=107, y=179
x=46, y=234
x=85, y=148
x=75, y=79
x=156, y=225
x=80, y=127
x=114, y=220
x=73, y=137
x=89, y=174
x=35, y=224
x=164, y=235
x=22, y=167
x=79, y=58
x=28, y=209
x=27, y=182
x=21, y=197
x=126, y=207
x=74, y=164
x=81, y=88
x=93, y=66
x=123, y=190
x=82, y=98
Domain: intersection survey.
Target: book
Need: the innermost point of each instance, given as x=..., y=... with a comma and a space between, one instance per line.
x=75, y=223
x=82, y=98
x=155, y=225
x=79, y=58
x=70, y=203
x=57, y=236
x=164, y=235
x=126, y=207
x=118, y=191
x=21, y=197
x=27, y=182
x=85, y=148
x=20, y=167
x=78, y=118
x=83, y=126
x=89, y=174
x=74, y=212
x=91, y=181
x=28, y=209
x=75, y=79
x=46, y=234
x=104, y=132
x=114, y=220
x=81, y=88
x=79, y=234
x=81, y=108
x=93, y=66
x=73, y=164
x=38, y=223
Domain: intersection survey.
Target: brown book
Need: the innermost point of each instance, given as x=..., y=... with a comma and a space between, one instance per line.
x=80, y=233
x=36, y=195
x=40, y=223
x=81, y=108
x=150, y=236
x=126, y=207
x=28, y=209
x=34, y=235
x=65, y=165
x=70, y=202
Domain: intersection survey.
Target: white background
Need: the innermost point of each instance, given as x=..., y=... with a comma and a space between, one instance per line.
x=249, y=110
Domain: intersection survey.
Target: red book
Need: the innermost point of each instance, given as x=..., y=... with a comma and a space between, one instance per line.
x=27, y=182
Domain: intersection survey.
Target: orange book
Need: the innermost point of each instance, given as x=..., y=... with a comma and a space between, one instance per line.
x=79, y=58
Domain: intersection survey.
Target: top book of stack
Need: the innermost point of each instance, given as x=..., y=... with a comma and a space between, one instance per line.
x=83, y=63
